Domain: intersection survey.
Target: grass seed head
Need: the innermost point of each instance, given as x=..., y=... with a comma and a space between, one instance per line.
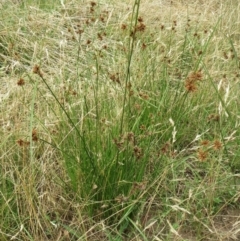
x=217, y=145
x=138, y=152
x=202, y=155
x=140, y=19
x=204, y=142
x=123, y=26
x=34, y=135
x=93, y=4
x=190, y=86
x=23, y=143
x=191, y=81
x=21, y=82
x=36, y=70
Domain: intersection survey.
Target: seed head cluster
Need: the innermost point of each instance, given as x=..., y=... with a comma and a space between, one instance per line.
x=192, y=81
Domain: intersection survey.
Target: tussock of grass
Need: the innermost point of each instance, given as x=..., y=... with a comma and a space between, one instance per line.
x=119, y=120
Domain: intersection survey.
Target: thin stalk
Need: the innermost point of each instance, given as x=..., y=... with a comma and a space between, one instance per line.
x=95, y=90
x=31, y=121
x=70, y=120
x=131, y=48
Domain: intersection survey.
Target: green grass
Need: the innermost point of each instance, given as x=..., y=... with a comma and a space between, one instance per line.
x=119, y=120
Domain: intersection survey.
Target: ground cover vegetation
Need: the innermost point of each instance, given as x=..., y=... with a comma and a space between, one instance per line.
x=119, y=120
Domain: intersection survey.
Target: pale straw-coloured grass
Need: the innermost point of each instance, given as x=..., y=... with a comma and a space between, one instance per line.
x=190, y=140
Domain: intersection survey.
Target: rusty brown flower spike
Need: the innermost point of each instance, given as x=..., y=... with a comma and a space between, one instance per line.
x=202, y=155
x=205, y=142
x=140, y=27
x=34, y=135
x=123, y=26
x=191, y=81
x=195, y=76
x=23, y=143
x=93, y=4
x=140, y=19
x=21, y=82
x=190, y=87
x=36, y=70
x=217, y=145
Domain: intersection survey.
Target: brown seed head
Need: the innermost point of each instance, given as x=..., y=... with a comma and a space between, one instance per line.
x=217, y=145
x=190, y=86
x=213, y=117
x=123, y=26
x=205, y=142
x=36, y=70
x=225, y=55
x=115, y=77
x=131, y=137
x=93, y=4
x=140, y=27
x=166, y=148
x=137, y=152
x=202, y=155
x=144, y=95
x=140, y=19
x=144, y=46
x=191, y=81
x=23, y=143
x=21, y=82
x=34, y=135
x=195, y=76
x=100, y=36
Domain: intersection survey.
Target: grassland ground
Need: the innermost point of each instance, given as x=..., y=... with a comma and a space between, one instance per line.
x=119, y=120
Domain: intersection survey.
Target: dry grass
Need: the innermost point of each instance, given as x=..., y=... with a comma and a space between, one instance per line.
x=181, y=122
